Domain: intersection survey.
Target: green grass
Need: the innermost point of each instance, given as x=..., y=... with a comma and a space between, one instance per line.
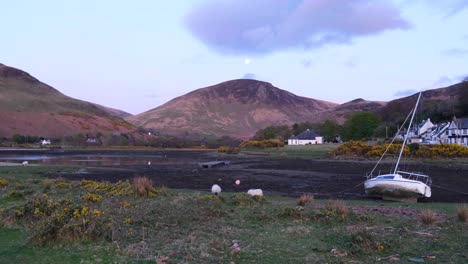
x=195, y=227
x=307, y=151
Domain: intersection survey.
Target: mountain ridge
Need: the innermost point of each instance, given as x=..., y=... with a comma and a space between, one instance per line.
x=30, y=107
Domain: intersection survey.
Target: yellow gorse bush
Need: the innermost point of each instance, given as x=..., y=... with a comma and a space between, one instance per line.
x=359, y=148
x=270, y=143
x=3, y=183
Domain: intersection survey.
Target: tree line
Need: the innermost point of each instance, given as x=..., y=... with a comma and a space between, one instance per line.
x=359, y=125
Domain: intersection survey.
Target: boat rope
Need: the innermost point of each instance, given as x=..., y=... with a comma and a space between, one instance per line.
x=352, y=188
x=390, y=144
x=447, y=189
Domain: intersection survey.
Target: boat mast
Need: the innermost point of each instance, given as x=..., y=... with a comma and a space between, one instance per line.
x=406, y=135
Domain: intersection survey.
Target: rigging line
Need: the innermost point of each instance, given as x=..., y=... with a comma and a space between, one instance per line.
x=352, y=188
x=440, y=187
x=391, y=142
x=407, y=133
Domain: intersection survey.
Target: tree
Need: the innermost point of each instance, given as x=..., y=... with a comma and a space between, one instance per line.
x=360, y=126
x=330, y=130
x=273, y=132
x=463, y=100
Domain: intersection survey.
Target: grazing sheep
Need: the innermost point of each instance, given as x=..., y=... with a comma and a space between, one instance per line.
x=25, y=163
x=215, y=189
x=255, y=192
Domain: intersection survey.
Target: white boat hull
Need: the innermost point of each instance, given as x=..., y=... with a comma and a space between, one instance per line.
x=398, y=188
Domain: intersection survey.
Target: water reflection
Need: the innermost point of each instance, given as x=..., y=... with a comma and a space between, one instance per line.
x=89, y=160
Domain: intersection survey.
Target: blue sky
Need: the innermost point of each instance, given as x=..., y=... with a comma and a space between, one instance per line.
x=137, y=55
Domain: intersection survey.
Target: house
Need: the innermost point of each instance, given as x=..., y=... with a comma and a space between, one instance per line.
x=45, y=142
x=306, y=138
x=91, y=140
x=424, y=126
x=457, y=132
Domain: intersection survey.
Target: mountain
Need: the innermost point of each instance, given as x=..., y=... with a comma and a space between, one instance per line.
x=341, y=112
x=235, y=108
x=438, y=104
x=30, y=107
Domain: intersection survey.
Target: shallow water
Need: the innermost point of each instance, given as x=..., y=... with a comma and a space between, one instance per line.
x=87, y=160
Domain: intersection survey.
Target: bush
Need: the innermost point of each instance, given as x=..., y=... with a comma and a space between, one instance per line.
x=245, y=199
x=3, y=183
x=228, y=150
x=337, y=207
x=143, y=186
x=442, y=150
x=91, y=197
x=292, y=212
x=427, y=217
x=270, y=143
x=358, y=148
x=364, y=241
x=462, y=213
x=305, y=199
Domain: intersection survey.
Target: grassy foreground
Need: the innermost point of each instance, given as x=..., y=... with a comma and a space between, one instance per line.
x=57, y=221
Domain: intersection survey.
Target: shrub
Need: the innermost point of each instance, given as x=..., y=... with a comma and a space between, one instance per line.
x=91, y=197
x=143, y=186
x=245, y=199
x=228, y=150
x=427, y=217
x=462, y=213
x=15, y=194
x=352, y=148
x=293, y=212
x=305, y=199
x=270, y=143
x=363, y=241
x=3, y=183
x=337, y=207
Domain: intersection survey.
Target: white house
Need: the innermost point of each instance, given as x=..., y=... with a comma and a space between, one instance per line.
x=457, y=132
x=45, y=142
x=424, y=126
x=306, y=138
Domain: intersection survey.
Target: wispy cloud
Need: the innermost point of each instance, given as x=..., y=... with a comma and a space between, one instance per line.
x=248, y=76
x=455, y=52
x=445, y=81
x=264, y=26
x=306, y=62
x=406, y=92
x=351, y=63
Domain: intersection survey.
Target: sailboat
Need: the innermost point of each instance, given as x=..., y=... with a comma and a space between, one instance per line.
x=399, y=185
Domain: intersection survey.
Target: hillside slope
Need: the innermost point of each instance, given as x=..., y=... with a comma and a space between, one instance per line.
x=30, y=107
x=235, y=108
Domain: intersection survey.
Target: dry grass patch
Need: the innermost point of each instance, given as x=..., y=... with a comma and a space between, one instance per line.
x=143, y=186
x=462, y=213
x=427, y=217
x=305, y=199
x=338, y=207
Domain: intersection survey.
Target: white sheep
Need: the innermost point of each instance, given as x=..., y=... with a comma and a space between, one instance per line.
x=255, y=192
x=25, y=163
x=216, y=189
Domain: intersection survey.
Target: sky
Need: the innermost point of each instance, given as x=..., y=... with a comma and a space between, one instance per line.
x=137, y=55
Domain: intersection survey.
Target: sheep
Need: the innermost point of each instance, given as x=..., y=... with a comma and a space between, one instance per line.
x=216, y=189
x=24, y=163
x=255, y=192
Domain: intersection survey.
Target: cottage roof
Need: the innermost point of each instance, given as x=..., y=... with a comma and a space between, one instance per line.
x=306, y=135
x=462, y=123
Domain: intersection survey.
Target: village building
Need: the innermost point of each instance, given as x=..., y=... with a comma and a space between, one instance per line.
x=453, y=132
x=457, y=132
x=45, y=142
x=308, y=137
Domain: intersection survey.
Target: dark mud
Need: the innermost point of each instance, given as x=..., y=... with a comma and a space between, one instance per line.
x=324, y=178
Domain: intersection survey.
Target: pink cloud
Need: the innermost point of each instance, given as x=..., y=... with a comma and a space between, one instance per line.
x=261, y=26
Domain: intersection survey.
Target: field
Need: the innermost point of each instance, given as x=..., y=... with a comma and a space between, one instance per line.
x=58, y=220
